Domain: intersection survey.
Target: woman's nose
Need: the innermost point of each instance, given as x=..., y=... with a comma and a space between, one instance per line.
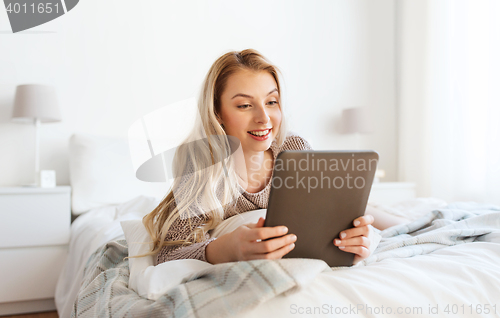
x=262, y=116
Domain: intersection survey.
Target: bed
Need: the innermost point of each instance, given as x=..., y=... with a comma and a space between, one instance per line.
x=444, y=262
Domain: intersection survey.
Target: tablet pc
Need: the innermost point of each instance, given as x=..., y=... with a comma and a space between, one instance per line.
x=318, y=194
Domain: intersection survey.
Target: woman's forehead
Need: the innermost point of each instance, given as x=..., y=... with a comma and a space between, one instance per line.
x=250, y=83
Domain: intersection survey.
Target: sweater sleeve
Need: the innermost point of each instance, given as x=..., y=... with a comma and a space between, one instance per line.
x=180, y=230
x=193, y=251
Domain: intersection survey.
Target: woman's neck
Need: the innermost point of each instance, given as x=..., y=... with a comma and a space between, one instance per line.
x=256, y=170
x=254, y=161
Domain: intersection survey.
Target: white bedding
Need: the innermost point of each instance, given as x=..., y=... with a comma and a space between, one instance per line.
x=457, y=274
x=454, y=272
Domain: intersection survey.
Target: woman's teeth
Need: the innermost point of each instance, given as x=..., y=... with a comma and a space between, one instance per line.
x=259, y=133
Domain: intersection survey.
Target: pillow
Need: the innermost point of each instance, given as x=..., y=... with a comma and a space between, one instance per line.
x=102, y=173
x=230, y=224
x=138, y=241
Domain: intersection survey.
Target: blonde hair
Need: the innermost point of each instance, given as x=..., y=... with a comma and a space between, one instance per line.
x=204, y=166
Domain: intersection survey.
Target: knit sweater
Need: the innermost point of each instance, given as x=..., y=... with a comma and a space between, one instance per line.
x=247, y=201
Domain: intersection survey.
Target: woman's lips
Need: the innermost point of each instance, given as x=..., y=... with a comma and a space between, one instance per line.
x=261, y=138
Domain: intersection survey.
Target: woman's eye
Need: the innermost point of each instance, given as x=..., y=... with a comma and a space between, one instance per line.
x=273, y=102
x=243, y=106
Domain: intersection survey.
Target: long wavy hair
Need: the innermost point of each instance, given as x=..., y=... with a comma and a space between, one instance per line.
x=205, y=181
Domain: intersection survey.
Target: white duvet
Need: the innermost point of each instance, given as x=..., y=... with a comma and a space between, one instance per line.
x=464, y=279
x=459, y=277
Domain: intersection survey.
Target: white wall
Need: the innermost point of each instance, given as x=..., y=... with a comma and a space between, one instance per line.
x=113, y=61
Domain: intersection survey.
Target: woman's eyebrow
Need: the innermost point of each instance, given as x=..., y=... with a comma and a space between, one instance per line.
x=248, y=96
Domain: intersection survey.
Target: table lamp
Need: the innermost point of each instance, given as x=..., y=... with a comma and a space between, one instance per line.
x=355, y=121
x=36, y=104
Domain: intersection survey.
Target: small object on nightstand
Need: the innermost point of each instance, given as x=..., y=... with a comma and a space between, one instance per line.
x=47, y=179
x=379, y=174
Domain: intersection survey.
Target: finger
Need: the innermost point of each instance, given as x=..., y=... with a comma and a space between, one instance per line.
x=353, y=232
x=260, y=223
x=358, y=250
x=355, y=241
x=274, y=255
x=363, y=220
x=263, y=233
x=272, y=245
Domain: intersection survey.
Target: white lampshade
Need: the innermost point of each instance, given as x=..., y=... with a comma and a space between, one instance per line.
x=36, y=104
x=355, y=120
x=34, y=101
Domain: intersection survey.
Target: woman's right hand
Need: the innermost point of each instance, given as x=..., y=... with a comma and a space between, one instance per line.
x=247, y=243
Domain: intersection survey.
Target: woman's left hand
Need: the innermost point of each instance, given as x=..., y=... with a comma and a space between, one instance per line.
x=357, y=239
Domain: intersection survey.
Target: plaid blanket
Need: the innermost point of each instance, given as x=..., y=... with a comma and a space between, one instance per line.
x=232, y=288
x=223, y=290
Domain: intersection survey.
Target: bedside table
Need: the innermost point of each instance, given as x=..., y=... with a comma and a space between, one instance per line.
x=392, y=192
x=34, y=238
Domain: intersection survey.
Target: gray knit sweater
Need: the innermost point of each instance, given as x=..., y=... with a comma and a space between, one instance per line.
x=180, y=229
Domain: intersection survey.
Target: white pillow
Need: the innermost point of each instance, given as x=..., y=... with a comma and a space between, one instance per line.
x=138, y=243
x=102, y=173
x=153, y=281
x=230, y=224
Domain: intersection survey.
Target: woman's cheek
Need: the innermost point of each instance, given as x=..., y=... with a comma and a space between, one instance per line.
x=277, y=121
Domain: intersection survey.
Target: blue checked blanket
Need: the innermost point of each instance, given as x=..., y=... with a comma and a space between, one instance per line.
x=233, y=288
x=223, y=290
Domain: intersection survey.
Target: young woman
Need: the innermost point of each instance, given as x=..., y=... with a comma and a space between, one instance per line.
x=240, y=100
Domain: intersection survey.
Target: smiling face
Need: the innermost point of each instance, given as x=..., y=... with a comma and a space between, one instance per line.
x=250, y=110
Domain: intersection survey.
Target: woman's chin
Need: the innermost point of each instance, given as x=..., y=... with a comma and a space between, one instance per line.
x=254, y=145
x=257, y=147
x=262, y=147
